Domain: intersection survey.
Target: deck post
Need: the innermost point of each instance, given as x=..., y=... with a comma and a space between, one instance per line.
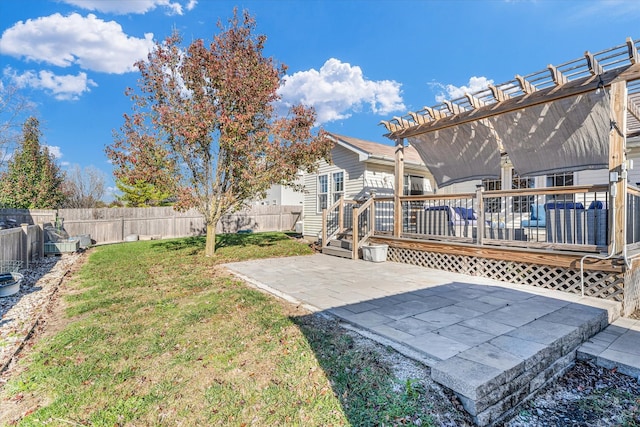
x=617, y=163
x=398, y=187
x=372, y=216
x=341, y=215
x=480, y=222
x=354, y=234
x=324, y=228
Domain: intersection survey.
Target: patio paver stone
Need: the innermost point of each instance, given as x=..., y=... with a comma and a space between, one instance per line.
x=492, y=343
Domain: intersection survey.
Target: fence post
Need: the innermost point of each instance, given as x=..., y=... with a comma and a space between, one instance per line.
x=40, y=240
x=25, y=242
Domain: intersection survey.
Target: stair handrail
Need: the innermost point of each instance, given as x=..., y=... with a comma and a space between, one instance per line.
x=326, y=236
x=358, y=240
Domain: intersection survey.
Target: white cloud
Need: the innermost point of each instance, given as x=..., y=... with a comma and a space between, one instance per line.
x=338, y=90
x=449, y=92
x=67, y=87
x=192, y=4
x=89, y=42
x=55, y=151
x=137, y=6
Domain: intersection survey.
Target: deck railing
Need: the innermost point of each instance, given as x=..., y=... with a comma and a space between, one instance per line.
x=569, y=218
x=332, y=221
x=363, y=225
x=576, y=218
x=633, y=216
x=383, y=215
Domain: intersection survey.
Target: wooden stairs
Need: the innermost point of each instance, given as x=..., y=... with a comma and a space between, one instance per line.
x=340, y=246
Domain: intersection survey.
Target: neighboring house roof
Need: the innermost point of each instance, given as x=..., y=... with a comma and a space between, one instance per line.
x=368, y=150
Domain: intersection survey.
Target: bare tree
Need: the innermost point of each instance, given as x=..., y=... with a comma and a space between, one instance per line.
x=84, y=187
x=14, y=108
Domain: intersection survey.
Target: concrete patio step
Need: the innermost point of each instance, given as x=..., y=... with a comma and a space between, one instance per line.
x=617, y=347
x=490, y=377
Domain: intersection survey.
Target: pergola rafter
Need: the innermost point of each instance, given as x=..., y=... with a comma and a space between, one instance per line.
x=582, y=75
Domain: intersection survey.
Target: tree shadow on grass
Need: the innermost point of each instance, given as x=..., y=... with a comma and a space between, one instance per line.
x=248, y=239
x=198, y=243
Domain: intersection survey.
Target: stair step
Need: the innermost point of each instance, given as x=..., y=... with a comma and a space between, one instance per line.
x=340, y=243
x=336, y=251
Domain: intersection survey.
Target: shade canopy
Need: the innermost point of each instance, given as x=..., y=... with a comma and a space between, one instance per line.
x=554, y=120
x=460, y=153
x=564, y=135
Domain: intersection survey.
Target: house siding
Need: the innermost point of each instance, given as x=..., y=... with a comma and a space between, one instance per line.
x=342, y=160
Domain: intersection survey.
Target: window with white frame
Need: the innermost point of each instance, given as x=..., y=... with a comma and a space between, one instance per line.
x=560, y=179
x=337, y=185
x=492, y=204
x=323, y=192
x=521, y=204
x=330, y=189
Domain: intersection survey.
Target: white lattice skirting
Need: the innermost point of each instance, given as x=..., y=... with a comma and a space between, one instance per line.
x=600, y=284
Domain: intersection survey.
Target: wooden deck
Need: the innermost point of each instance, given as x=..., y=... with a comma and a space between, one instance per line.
x=489, y=234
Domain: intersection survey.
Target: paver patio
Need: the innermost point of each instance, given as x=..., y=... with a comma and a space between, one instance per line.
x=488, y=341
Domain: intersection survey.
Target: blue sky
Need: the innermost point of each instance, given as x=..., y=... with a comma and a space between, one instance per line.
x=356, y=62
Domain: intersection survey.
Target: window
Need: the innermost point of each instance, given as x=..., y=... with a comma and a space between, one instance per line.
x=323, y=192
x=337, y=186
x=492, y=204
x=414, y=185
x=330, y=189
x=521, y=204
x=560, y=179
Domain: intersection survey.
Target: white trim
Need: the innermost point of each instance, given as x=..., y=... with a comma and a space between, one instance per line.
x=319, y=193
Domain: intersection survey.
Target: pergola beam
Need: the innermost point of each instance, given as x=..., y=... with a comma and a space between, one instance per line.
x=549, y=94
x=453, y=108
x=418, y=118
x=526, y=87
x=633, y=51
x=498, y=94
x=594, y=66
x=558, y=78
x=475, y=102
x=435, y=114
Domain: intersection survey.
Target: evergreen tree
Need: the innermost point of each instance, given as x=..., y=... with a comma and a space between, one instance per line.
x=142, y=194
x=32, y=179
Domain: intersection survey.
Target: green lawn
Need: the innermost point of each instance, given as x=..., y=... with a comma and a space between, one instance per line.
x=155, y=333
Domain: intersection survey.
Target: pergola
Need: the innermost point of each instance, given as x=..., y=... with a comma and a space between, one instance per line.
x=573, y=116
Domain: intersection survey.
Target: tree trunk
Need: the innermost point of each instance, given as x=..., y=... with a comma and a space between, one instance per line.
x=210, y=247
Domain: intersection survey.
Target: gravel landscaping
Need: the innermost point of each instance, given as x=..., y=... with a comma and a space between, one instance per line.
x=20, y=312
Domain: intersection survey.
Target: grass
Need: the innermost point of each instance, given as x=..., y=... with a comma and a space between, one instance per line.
x=155, y=333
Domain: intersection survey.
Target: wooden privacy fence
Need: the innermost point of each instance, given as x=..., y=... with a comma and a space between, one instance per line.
x=21, y=244
x=110, y=225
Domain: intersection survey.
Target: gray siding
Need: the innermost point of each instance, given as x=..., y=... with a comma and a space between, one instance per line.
x=342, y=160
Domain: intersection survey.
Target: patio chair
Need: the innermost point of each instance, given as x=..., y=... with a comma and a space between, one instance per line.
x=597, y=223
x=436, y=220
x=537, y=217
x=565, y=222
